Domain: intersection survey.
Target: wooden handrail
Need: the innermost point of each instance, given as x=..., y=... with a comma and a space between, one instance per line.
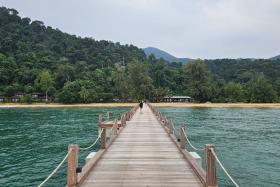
x=73, y=179
x=199, y=171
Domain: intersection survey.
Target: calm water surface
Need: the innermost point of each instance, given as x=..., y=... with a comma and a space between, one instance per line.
x=33, y=141
x=247, y=141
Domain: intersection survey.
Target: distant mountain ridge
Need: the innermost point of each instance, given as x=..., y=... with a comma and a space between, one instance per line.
x=162, y=54
x=275, y=58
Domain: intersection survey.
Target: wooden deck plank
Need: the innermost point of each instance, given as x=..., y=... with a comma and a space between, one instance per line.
x=142, y=155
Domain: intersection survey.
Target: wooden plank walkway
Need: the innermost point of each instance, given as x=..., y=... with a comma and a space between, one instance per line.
x=142, y=155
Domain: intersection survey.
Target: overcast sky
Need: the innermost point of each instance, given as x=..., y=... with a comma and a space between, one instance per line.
x=185, y=28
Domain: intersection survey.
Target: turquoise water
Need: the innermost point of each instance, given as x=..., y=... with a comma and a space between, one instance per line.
x=33, y=141
x=246, y=140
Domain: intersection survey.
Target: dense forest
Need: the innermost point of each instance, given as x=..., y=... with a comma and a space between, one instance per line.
x=35, y=58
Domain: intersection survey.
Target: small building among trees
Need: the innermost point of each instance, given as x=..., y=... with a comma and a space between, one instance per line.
x=37, y=95
x=2, y=99
x=19, y=94
x=15, y=99
x=177, y=99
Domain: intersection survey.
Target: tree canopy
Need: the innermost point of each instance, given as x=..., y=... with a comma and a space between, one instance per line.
x=72, y=69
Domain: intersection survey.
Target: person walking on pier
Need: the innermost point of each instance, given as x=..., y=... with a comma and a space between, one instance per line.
x=141, y=106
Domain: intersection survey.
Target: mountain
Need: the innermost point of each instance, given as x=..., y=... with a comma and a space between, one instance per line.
x=275, y=58
x=162, y=54
x=28, y=48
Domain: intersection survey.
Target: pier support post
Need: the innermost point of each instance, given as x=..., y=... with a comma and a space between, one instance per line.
x=182, y=138
x=103, y=138
x=73, y=150
x=210, y=164
x=171, y=125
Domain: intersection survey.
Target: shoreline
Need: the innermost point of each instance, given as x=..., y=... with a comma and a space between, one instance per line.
x=193, y=105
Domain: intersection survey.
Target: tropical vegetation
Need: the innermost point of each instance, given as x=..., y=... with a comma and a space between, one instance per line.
x=70, y=69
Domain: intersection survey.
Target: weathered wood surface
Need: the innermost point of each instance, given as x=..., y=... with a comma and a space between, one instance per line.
x=109, y=124
x=142, y=155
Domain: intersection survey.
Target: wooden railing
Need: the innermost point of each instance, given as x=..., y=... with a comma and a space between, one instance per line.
x=208, y=175
x=76, y=175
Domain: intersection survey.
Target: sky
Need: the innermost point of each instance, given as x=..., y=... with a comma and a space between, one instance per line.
x=206, y=29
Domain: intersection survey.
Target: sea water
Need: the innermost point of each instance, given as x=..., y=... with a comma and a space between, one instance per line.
x=34, y=140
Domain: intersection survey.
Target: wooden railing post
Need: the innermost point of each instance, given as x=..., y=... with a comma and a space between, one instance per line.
x=160, y=116
x=182, y=138
x=99, y=120
x=171, y=125
x=210, y=164
x=165, y=120
x=122, y=120
x=115, y=128
x=73, y=150
x=108, y=116
x=103, y=138
x=127, y=116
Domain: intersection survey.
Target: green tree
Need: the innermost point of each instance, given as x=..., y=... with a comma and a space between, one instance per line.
x=77, y=91
x=28, y=89
x=140, y=83
x=7, y=69
x=45, y=82
x=64, y=73
x=198, y=80
x=69, y=92
x=234, y=92
x=10, y=90
x=277, y=87
x=27, y=98
x=217, y=89
x=27, y=48
x=84, y=94
x=260, y=90
x=159, y=93
x=120, y=82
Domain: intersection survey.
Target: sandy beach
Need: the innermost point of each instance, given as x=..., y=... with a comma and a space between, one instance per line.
x=198, y=105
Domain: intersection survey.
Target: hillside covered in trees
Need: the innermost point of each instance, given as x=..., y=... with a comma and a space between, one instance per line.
x=35, y=58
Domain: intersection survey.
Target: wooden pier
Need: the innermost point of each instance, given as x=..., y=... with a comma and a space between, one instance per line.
x=142, y=151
